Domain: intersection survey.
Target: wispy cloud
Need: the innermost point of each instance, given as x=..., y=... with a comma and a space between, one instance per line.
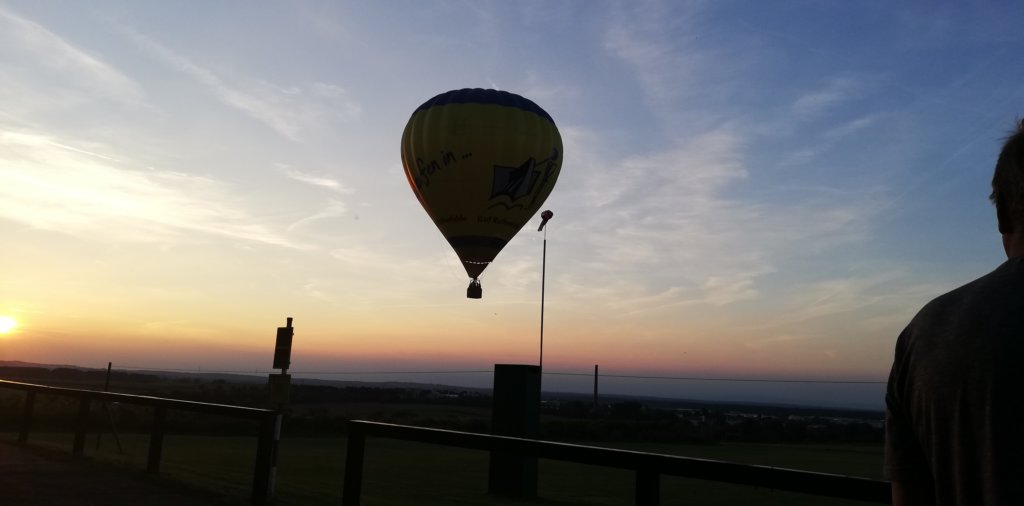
x=315, y=180
x=828, y=138
x=333, y=210
x=293, y=111
x=663, y=230
x=850, y=127
x=663, y=57
x=377, y=274
x=688, y=82
x=853, y=318
x=48, y=184
x=720, y=291
x=39, y=65
x=880, y=296
x=835, y=92
x=545, y=91
x=783, y=339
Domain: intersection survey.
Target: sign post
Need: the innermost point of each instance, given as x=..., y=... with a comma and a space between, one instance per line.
x=280, y=384
x=283, y=347
x=280, y=388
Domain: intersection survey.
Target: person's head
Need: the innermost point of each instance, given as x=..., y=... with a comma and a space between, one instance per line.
x=1008, y=187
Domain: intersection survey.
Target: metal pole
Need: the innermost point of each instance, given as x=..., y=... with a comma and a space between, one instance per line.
x=26, y=416
x=267, y=490
x=354, y=450
x=543, y=276
x=263, y=476
x=82, y=425
x=156, y=440
x=545, y=217
x=106, y=387
x=648, y=487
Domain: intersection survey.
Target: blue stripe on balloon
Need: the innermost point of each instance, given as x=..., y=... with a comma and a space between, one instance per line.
x=482, y=96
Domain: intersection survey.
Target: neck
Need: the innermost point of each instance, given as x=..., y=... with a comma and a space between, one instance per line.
x=1013, y=245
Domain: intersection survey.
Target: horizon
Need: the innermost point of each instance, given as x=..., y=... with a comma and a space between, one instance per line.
x=580, y=385
x=748, y=190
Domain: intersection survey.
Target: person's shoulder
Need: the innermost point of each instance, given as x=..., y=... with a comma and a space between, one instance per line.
x=1009, y=276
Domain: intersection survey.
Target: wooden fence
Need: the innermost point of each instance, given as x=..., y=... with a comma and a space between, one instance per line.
x=269, y=423
x=648, y=466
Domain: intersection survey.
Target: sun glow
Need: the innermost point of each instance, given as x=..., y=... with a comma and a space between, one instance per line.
x=7, y=324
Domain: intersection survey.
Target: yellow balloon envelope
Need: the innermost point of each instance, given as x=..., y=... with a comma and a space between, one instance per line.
x=481, y=163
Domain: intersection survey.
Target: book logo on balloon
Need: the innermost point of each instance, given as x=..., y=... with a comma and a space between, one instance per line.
x=516, y=183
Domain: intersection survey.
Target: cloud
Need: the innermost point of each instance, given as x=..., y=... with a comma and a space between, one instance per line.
x=720, y=291
x=664, y=59
x=829, y=138
x=48, y=184
x=335, y=95
x=655, y=214
x=691, y=227
x=293, y=112
x=784, y=339
x=382, y=276
x=311, y=179
x=333, y=210
x=688, y=82
x=39, y=67
x=670, y=229
x=873, y=297
x=837, y=91
x=852, y=126
x=853, y=316
x=544, y=91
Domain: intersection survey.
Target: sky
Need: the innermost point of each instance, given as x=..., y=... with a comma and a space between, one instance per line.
x=750, y=190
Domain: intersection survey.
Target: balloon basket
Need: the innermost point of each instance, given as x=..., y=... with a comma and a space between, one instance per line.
x=475, y=291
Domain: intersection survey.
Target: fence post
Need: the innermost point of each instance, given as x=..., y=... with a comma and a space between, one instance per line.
x=82, y=425
x=26, y=416
x=648, y=487
x=354, y=451
x=156, y=440
x=262, y=479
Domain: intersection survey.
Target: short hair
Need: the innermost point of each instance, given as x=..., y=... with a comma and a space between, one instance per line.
x=1008, y=181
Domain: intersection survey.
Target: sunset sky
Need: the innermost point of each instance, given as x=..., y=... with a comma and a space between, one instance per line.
x=749, y=189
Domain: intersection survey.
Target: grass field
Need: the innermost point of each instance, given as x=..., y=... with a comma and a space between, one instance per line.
x=310, y=471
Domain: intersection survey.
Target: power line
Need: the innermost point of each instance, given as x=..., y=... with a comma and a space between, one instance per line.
x=739, y=380
x=270, y=371
x=193, y=370
x=553, y=373
x=389, y=372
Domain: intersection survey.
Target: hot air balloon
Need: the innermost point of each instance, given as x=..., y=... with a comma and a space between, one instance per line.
x=481, y=163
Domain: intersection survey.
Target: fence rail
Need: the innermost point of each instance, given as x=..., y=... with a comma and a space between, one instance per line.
x=648, y=466
x=269, y=422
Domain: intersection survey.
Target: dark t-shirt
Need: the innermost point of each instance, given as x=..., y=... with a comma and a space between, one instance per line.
x=955, y=400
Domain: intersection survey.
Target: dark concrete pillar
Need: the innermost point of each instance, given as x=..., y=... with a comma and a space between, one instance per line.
x=516, y=412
